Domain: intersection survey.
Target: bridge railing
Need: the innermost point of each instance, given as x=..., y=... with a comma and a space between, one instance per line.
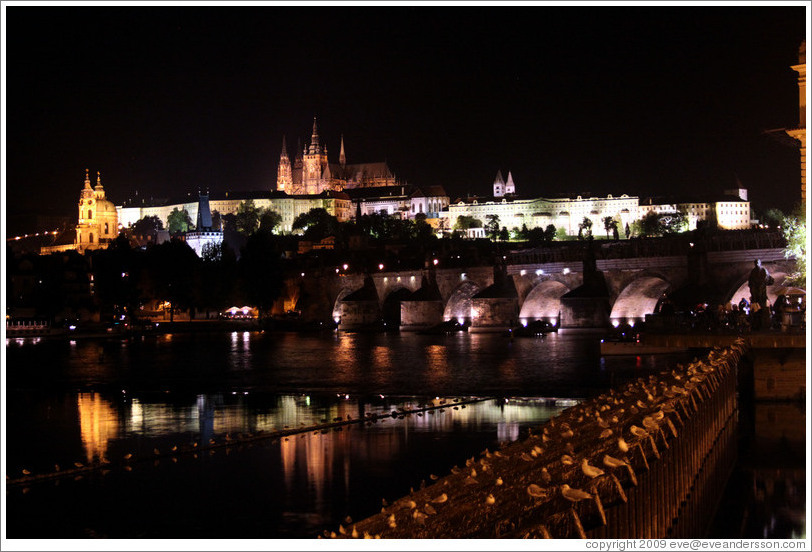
x=679, y=245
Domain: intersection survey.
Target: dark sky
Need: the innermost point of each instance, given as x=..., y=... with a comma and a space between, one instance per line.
x=637, y=100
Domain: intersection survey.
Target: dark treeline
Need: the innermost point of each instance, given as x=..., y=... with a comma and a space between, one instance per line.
x=128, y=279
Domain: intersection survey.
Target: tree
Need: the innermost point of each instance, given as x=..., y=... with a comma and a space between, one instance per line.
x=609, y=224
x=247, y=217
x=550, y=233
x=174, y=269
x=648, y=226
x=147, y=226
x=260, y=269
x=464, y=222
x=673, y=223
x=585, y=228
x=794, y=231
x=269, y=220
x=317, y=224
x=218, y=278
x=179, y=221
x=504, y=234
x=773, y=218
x=424, y=233
x=492, y=226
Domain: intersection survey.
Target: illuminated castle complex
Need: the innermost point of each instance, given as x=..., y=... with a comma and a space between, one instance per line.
x=311, y=172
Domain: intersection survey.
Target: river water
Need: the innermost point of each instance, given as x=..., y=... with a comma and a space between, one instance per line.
x=80, y=401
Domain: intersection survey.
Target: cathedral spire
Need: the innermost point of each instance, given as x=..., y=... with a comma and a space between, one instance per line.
x=87, y=178
x=315, y=147
x=342, y=159
x=98, y=179
x=284, y=149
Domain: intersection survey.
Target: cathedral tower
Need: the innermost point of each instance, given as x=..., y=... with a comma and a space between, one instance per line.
x=284, y=176
x=314, y=163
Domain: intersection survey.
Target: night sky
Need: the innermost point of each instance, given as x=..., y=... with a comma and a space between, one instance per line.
x=637, y=100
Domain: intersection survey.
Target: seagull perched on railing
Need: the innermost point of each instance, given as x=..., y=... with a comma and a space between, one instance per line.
x=574, y=495
x=590, y=471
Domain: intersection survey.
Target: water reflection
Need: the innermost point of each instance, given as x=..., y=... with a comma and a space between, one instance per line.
x=306, y=481
x=98, y=424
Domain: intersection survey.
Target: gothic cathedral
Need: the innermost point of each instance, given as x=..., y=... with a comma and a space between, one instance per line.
x=311, y=173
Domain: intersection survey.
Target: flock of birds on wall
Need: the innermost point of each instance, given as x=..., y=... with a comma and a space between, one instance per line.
x=569, y=452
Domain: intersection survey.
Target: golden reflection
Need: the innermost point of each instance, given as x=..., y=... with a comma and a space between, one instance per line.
x=98, y=424
x=346, y=355
x=437, y=372
x=287, y=448
x=382, y=357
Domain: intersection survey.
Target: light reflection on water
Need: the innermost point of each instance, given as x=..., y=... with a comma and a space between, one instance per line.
x=84, y=400
x=316, y=478
x=461, y=364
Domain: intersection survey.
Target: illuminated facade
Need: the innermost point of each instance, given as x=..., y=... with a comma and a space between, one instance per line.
x=730, y=211
x=337, y=204
x=98, y=220
x=311, y=172
x=404, y=202
x=566, y=213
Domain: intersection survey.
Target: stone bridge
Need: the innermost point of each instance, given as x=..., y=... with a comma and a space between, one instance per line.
x=518, y=292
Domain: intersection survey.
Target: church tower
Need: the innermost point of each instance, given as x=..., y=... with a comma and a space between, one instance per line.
x=510, y=187
x=499, y=185
x=98, y=219
x=314, y=163
x=284, y=176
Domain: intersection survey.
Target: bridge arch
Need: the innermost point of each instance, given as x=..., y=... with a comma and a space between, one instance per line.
x=780, y=287
x=543, y=302
x=639, y=298
x=459, y=302
x=344, y=292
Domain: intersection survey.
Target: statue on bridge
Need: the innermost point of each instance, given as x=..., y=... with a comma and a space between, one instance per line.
x=758, y=282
